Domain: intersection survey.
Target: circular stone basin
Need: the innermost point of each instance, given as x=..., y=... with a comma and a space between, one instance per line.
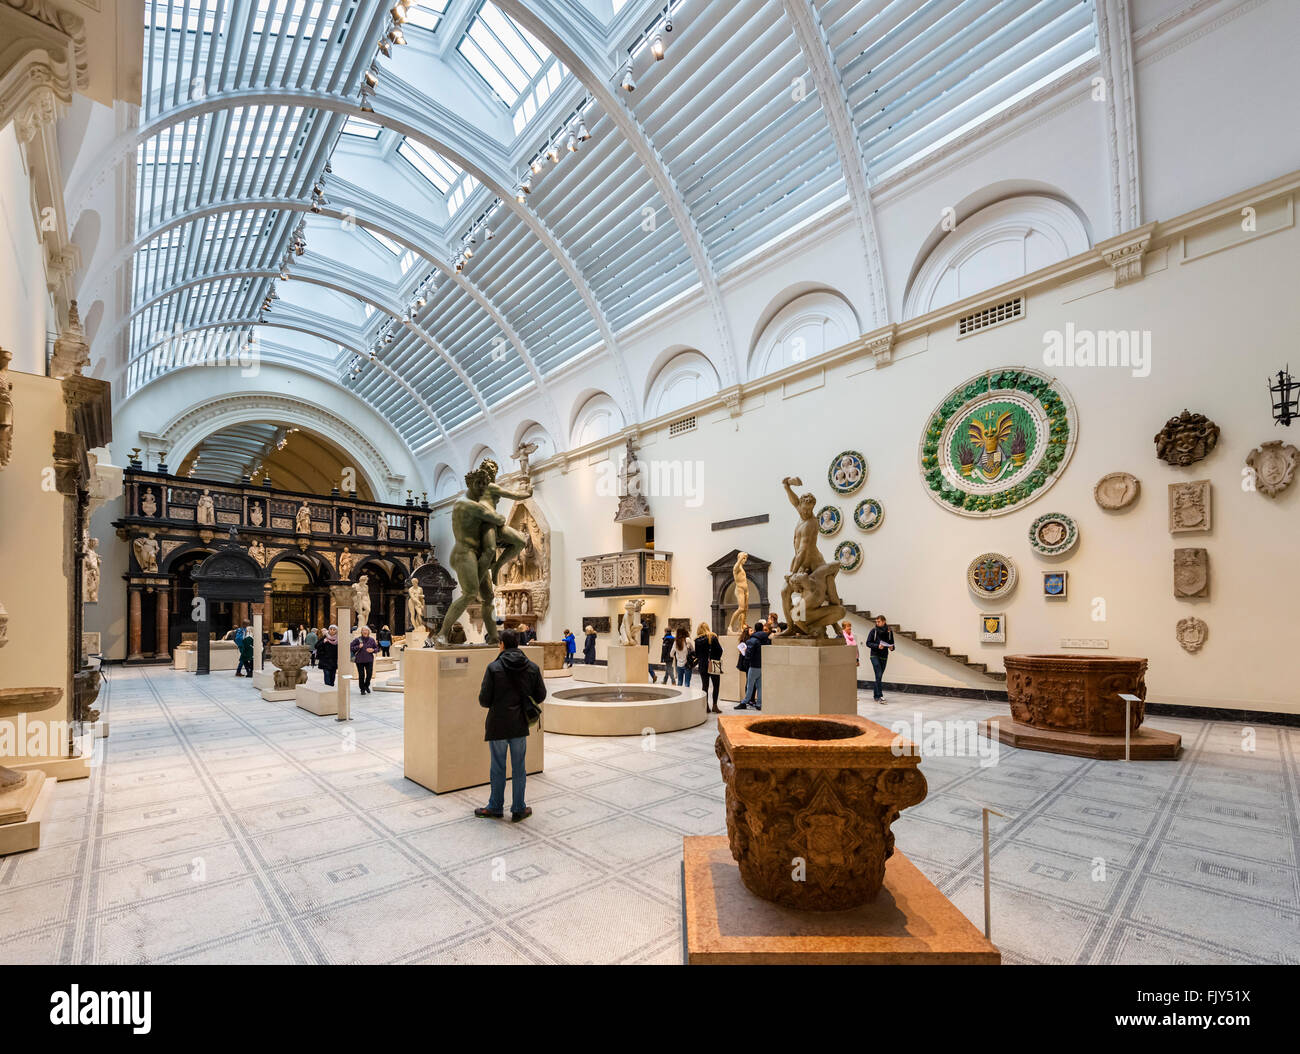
x=815, y=730
x=622, y=710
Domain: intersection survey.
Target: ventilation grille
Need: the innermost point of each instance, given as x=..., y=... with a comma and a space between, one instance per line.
x=681, y=426
x=993, y=315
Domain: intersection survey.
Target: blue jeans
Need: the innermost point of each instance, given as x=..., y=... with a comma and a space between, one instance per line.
x=497, y=774
x=329, y=675
x=754, y=686
x=684, y=676
x=670, y=674
x=878, y=665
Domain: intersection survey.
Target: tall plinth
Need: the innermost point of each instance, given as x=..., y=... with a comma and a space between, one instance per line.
x=810, y=676
x=443, y=747
x=731, y=685
x=629, y=664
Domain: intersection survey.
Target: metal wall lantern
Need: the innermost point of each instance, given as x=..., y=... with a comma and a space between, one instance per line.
x=1286, y=398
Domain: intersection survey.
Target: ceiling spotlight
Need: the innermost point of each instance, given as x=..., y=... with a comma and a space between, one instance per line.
x=526, y=186
x=399, y=13
x=371, y=77
x=315, y=206
x=487, y=234
x=385, y=48
x=657, y=48
x=572, y=144
x=420, y=301
x=365, y=105
x=628, y=85
x=536, y=165
x=583, y=134
x=396, y=36
x=553, y=153
x=668, y=25
x=469, y=253
x=519, y=196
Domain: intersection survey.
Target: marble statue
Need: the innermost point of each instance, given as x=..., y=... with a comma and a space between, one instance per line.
x=810, y=577
x=522, y=453
x=89, y=569
x=258, y=551
x=346, y=562
x=630, y=630
x=345, y=525
x=361, y=600
x=381, y=528
x=741, y=581
x=148, y=504
x=474, y=526
x=303, y=519
x=206, y=514
x=146, y=553
x=415, y=613
x=6, y=409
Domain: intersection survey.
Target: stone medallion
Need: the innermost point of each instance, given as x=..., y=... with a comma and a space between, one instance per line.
x=1273, y=465
x=1053, y=533
x=991, y=575
x=998, y=442
x=1191, y=573
x=829, y=520
x=1186, y=439
x=1116, y=490
x=1191, y=633
x=848, y=555
x=1189, y=506
x=847, y=473
x=869, y=514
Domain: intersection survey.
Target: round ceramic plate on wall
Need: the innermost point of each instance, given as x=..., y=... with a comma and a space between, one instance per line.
x=1053, y=533
x=869, y=514
x=849, y=556
x=847, y=473
x=829, y=520
x=991, y=576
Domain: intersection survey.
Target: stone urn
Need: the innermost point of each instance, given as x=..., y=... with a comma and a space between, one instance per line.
x=289, y=660
x=15, y=701
x=810, y=802
x=1076, y=693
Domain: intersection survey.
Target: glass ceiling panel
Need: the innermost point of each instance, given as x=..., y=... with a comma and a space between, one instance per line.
x=503, y=53
x=360, y=127
x=426, y=14
x=431, y=165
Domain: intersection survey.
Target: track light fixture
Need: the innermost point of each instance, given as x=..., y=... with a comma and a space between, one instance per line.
x=396, y=36
x=536, y=166
x=628, y=85
x=371, y=77
x=398, y=14
x=385, y=48
x=526, y=186
x=553, y=154
x=657, y=48
x=572, y=143
x=583, y=134
x=519, y=196
x=488, y=235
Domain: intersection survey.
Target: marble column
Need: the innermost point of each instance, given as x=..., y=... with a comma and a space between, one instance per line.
x=133, y=622
x=164, y=594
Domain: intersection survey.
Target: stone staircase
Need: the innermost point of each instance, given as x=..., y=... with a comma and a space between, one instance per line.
x=926, y=642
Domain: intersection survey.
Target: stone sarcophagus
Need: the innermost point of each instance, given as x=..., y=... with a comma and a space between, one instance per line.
x=1072, y=704
x=810, y=803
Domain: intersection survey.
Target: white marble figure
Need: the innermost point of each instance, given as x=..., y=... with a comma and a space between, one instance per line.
x=630, y=630
x=304, y=519
x=146, y=553
x=415, y=613
x=206, y=513
x=381, y=528
x=345, y=525
x=90, y=569
x=361, y=600
x=258, y=551
x=346, y=562
x=741, y=581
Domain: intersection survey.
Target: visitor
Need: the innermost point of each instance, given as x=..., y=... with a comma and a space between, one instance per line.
x=754, y=673
x=847, y=627
x=510, y=683
x=239, y=633
x=245, y=655
x=327, y=655
x=880, y=642
x=589, y=646
x=288, y=637
x=363, y=651
x=570, y=647
x=683, y=656
x=385, y=640
x=311, y=640
x=645, y=643
x=666, y=655
x=708, y=655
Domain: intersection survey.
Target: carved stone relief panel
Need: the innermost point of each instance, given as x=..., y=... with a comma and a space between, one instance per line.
x=1191, y=633
x=1273, y=466
x=1186, y=439
x=1191, y=573
x=1189, y=506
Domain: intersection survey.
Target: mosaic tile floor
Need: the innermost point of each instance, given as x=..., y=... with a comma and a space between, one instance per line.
x=221, y=828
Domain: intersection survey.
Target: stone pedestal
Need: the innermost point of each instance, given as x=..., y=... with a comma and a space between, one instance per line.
x=222, y=655
x=444, y=749
x=24, y=831
x=264, y=681
x=317, y=699
x=804, y=676
x=909, y=923
x=731, y=688
x=181, y=656
x=590, y=674
x=629, y=664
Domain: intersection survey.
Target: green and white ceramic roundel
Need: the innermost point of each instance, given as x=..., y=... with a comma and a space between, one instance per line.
x=848, y=555
x=829, y=520
x=998, y=442
x=869, y=514
x=1053, y=533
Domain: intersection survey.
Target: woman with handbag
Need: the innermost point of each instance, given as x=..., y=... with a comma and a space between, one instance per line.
x=708, y=653
x=512, y=693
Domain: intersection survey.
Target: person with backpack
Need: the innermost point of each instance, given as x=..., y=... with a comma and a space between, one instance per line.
x=512, y=693
x=245, y=655
x=666, y=655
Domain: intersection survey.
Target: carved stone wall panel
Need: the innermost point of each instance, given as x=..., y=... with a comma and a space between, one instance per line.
x=1191, y=634
x=1191, y=573
x=1186, y=439
x=1189, y=506
x=1272, y=465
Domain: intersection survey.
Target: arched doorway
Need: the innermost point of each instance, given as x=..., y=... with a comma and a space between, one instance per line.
x=298, y=594
x=387, y=582
x=223, y=615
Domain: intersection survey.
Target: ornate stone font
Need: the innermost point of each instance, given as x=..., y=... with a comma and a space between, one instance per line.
x=15, y=701
x=1116, y=490
x=810, y=597
x=1186, y=439
x=1075, y=693
x=1191, y=573
x=810, y=804
x=1272, y=465
x=289, y=660
x=1191, y=634
x=630, y=630
x=1189, y=506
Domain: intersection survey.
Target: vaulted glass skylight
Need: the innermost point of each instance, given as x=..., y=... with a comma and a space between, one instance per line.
x=426, y=14
x=431, y=165
x=361, y=127
x=503, y=53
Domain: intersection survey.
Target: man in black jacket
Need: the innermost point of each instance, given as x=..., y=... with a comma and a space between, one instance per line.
x=754, y=671
x=880, y=642
x=509, y=682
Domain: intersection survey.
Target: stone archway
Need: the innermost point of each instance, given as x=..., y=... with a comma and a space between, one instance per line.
x=229, y=574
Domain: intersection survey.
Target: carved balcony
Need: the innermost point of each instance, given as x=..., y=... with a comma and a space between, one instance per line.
x=631, y=573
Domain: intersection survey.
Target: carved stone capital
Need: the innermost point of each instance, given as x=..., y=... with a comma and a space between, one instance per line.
x=731, y=399
x=1124, y=253
x=881, y=346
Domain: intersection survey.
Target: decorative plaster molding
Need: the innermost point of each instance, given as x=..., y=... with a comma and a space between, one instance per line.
x=1124, y=253
x=1115, y=47
x=880, y=346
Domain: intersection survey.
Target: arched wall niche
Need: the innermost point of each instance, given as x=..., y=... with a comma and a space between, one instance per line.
x=446, y=483
x=484, y=451
x=681, y=376
x=532, y=432
x=808, y=324
x=597, y=417
x=187, y=430
x=993, y=243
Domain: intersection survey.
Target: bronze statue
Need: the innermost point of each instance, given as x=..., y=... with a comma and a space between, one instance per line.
x=810, y=599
